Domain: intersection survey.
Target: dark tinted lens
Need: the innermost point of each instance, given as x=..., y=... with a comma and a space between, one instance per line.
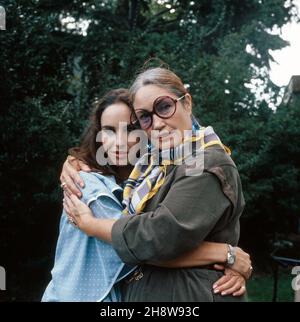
x=165, y=107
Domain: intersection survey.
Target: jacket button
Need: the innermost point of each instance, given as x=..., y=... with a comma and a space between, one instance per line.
x=139, y=276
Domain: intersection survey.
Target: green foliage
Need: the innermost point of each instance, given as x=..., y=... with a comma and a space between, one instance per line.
x=260, y=287
x=50, y=73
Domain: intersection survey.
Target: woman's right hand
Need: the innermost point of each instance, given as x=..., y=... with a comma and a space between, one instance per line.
x=241, y=265
x=232, y=283
x=70, y=177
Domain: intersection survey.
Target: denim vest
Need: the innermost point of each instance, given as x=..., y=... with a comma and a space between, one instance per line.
x=87, y=268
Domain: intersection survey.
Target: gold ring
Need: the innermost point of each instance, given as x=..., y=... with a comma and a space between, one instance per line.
x=71, y=220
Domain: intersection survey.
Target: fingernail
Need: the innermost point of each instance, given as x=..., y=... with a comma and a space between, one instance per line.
x=79, y=194
x=216, y=291
x=81, y=184
x=223, y=293
x=215, y=285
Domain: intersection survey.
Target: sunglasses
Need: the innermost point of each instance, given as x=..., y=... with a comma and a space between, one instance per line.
x=164, y=107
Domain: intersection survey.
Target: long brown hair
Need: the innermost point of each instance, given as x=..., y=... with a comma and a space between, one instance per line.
x=87, y=149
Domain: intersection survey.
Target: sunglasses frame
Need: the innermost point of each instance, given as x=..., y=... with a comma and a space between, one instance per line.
x=175, y=100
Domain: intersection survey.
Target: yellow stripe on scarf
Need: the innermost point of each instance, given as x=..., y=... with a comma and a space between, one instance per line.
x=154, y=190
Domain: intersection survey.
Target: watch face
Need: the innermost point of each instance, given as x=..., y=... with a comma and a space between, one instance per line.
x=230, y=260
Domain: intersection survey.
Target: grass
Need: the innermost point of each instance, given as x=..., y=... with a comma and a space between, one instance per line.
x=260, y=287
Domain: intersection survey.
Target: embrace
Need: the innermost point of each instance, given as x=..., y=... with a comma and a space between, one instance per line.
x=152, y=202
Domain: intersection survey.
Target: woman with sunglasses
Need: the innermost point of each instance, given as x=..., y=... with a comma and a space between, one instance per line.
x=171, y=210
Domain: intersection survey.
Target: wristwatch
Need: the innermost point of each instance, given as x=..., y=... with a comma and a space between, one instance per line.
x=230, y=255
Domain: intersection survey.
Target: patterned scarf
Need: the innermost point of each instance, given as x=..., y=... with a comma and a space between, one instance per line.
x=149, y=172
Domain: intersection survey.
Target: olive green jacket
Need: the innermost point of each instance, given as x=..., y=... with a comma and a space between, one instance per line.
x=185, y=211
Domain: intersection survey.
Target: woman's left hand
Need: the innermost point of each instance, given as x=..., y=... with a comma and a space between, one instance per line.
x=232, y=283
x=79, y=213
